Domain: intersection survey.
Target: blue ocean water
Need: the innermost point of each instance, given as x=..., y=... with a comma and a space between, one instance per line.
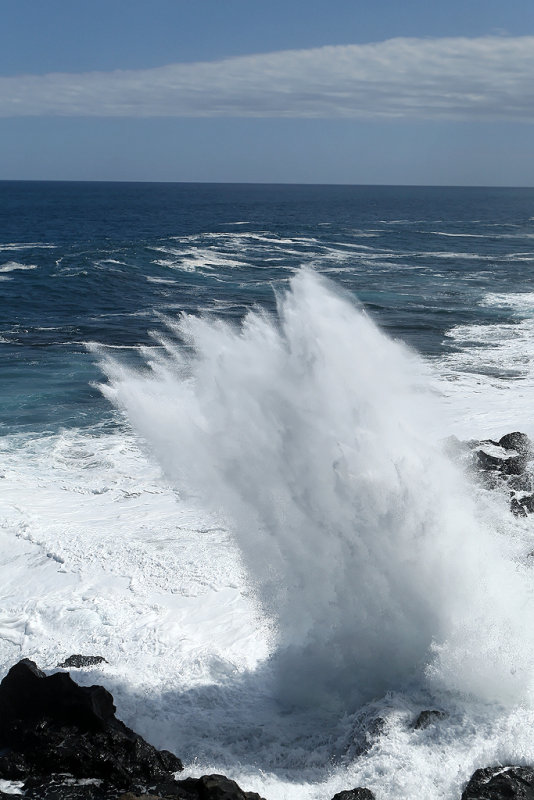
x=257, y=526
x=100, y=262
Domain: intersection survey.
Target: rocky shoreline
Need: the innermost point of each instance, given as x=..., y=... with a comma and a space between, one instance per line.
x=62, y=741
x=503, y=465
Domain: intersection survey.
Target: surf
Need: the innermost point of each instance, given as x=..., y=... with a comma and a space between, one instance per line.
x=313, y=435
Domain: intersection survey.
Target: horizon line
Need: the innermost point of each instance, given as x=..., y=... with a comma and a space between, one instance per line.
x=267, y=183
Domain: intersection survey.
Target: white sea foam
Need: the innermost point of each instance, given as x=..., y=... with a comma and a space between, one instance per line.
x=196, y=258
x=518, y=301
x=26, y=246
x=461, y=235
x=13, y=266
x=164, y=281
x=489, y=378
x=312, y=434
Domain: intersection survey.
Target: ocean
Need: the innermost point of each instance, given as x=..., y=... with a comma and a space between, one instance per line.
x=222, y=469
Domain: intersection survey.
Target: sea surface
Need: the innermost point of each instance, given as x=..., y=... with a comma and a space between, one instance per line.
x=222, y=468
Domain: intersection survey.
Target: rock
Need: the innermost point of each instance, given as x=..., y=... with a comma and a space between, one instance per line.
x=428, y=717
x=521, y=483
x=78, y=661
x=521, y=506
x=26, y=694
x=208, y=787
x=516, y=441
x=355, y=794
x=51, y=725
x=501, y=783
x=507, y=465
x=501, y=466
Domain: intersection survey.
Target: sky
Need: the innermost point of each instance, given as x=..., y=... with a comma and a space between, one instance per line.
x=344, y=91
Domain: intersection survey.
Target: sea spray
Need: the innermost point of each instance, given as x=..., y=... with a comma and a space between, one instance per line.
x=311, y=433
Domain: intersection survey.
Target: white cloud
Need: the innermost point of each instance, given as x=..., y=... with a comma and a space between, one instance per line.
x=484, y=78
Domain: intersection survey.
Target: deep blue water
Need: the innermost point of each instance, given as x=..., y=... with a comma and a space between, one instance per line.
x=100, y=262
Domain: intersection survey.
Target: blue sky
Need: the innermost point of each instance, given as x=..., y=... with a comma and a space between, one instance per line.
x=344, y=91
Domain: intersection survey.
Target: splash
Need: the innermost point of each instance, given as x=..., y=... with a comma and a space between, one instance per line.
x=312, y=433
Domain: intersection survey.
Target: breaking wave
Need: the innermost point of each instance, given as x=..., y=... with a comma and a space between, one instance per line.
x=312, y=432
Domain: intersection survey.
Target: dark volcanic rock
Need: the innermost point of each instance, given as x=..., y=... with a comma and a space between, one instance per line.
x=51, y=725
x=208, y=787
x=359, y=793
x=516, y=441
x=521, y=506
x=503, y=466
x=501, y=783
x=428, y=717
x=507, y=465
x=27, y=695
x=77, y=661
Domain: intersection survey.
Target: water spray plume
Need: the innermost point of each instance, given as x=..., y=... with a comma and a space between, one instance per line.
x=312, y=433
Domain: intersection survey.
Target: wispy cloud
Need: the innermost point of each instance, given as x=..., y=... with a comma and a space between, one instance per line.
x=456, y=78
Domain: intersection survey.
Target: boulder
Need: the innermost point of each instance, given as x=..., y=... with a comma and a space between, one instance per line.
x=50, y=725
x=359, y=793
x=78, y=661
x=207, y=787
x=428, y=717
x=500, y=465
x=501, y=783
x=516, y=441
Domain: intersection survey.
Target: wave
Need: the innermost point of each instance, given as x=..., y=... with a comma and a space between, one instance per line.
x=12, y=266
x=518, y=301
x=198, y=258
x=26, y=246
x=164, y=281
x=313, y=432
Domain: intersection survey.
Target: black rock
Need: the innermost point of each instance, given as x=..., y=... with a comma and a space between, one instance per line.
x=78, y=661
x=51, y=725
x=500, y=466
x=509, y=465
x=428, y=717
x=13, y=766
x=521, y=506
x=487, y=461
x=501, y=783
x=521, y=483
x=27, y=695
x=359, y=793
x=208, y=787
x=516, y=441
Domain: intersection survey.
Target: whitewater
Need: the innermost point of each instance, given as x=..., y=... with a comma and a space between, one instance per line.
x=276, y=558
x=225, y=468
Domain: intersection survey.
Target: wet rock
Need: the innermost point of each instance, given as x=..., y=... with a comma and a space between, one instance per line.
x=13, y=766
x=428, y=717
x=521, y=483
x=506, y=465
x=521, y=506
x=516, y=441
x=364, y=735
x=77, y=661
x=28, y=696
x=50, y=725
x=501, y=783
x=359, y=793
x=500, y=466
x=210, y=787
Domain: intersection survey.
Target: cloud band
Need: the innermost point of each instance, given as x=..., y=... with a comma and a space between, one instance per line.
x=451, y=78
